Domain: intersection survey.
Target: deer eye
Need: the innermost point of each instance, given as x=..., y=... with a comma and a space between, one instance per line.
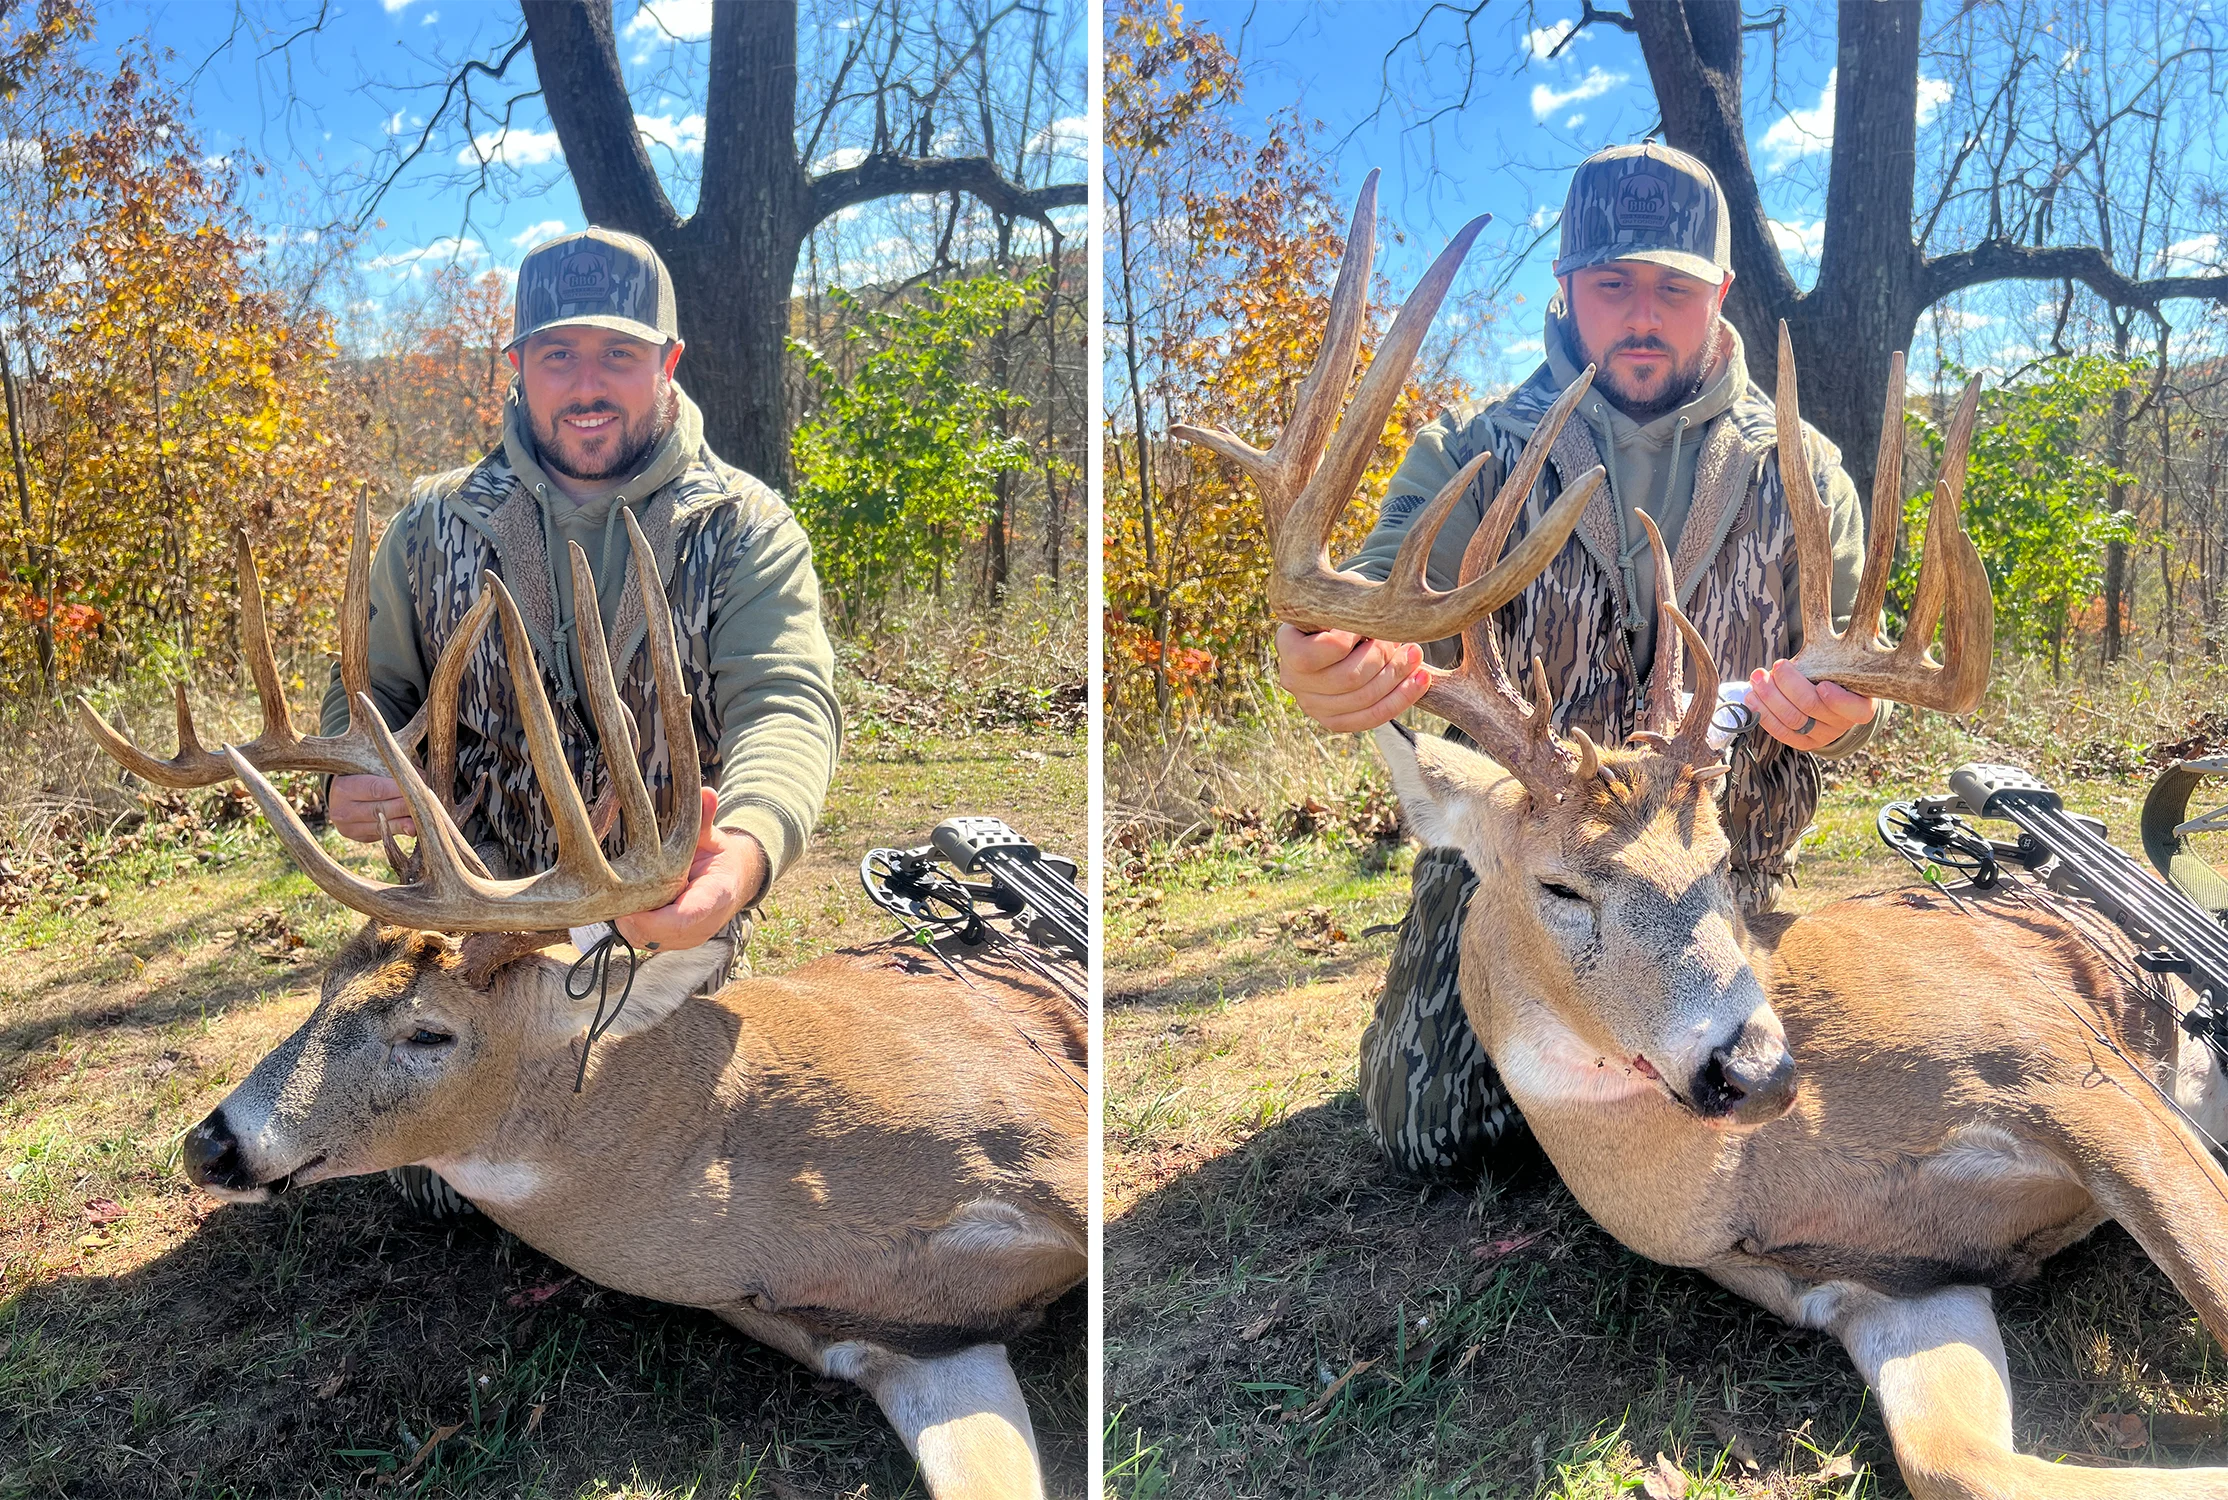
x=1560, y=892
x=427, y=1037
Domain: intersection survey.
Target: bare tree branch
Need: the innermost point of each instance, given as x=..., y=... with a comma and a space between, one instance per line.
x=2004, y=260
x=881, y=176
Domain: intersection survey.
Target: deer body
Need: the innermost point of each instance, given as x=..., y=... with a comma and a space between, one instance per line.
x=885, y=1199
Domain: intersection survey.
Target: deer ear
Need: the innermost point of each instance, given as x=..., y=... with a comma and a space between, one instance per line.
x=1442, y=786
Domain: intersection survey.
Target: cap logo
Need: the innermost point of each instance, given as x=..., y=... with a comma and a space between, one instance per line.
x=581, y=276
x=1642, y=203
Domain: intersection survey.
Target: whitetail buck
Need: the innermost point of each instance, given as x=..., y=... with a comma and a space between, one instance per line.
x=1787, y=1103
x=865, y=1163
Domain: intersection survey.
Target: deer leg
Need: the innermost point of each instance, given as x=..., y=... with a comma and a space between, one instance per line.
x=961, y=1415
x=1936, y=1363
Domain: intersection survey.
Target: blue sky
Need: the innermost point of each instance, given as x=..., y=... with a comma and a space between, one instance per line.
x=1509, y=149
x=327, y=111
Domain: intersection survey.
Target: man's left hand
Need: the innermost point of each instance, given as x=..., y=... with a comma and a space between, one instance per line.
x=1807, y=715
x=729, y=873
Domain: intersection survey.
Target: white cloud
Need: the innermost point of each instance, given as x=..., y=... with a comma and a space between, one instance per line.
x=512, y=147
x=394, y=123
x=684, y=137
x=1545, y=101
x=1806, y=132
x=1801, y=239
x=1524, y=348
x=656, y=20
x=1068, y=136
x=2189, y=257
x=216, y=163
x=15, y=152
x=1802, y=132
x=1574, y=121
x=394, y=5
x=1958, y=317
x=534, y=234
x=441, y=252
x=1543, y=216
x=1933, y=94
x=1547, y=38
x=841, y=159
x=431, y=16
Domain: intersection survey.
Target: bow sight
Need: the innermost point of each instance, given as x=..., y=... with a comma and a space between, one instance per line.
x=1031, y=891
x=2176, y=923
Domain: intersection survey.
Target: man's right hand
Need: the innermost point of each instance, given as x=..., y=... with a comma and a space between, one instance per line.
x=357, y=802
x=1347, y=682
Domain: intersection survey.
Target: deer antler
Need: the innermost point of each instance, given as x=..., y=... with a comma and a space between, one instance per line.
x=1953, y=584
x=278, y=747
x=1304, y=491
x=451, y=895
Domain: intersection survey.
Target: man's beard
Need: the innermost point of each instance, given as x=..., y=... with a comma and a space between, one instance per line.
x=634, y=442
x=1684, y=385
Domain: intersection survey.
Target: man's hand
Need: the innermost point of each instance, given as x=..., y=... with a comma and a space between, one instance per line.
x=1807, y=715
x=1345, y=682
x=728, y=874
x=357, y=802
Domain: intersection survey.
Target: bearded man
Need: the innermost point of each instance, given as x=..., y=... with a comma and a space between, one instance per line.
x=1682, y=434
x=595, y=424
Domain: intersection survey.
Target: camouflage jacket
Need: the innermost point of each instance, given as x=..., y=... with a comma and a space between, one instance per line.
x=1733, y=557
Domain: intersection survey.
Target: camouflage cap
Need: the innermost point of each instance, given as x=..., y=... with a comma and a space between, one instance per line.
x=599, y=278
x=1646, y=202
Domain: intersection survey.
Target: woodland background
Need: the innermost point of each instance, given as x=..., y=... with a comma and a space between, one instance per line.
x=175, y=369
x=2070, y=174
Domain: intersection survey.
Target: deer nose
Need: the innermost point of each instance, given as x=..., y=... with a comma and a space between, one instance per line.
x=1750, y=1082
x=212, y=1155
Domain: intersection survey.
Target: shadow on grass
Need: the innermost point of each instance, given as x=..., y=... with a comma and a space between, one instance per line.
x=1511, y=1341
x=313, y=1346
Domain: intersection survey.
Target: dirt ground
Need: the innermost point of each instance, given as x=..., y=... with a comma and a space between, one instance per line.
x=1286, y=1317
x=154, y=1344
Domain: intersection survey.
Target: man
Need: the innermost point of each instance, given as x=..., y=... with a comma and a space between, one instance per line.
x=1643, y=268
x=594, y=424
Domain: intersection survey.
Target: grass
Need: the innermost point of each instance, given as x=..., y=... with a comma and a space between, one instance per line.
x=155, y=1344
x=1286, y=1317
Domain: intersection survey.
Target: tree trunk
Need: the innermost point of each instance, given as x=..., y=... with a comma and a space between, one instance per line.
x=1868, y=297
x=2115, y=455
x=43, y=630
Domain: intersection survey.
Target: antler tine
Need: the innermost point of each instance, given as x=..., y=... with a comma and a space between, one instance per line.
x=1952, y=587
x=1887, y=513
x=278, y=747
x=1281, y=471
x=1806, y=511
x=1478, y=696
x=577, y=851
x=671, y=859
x=1953, y=582
x=606, y=711
x=1663, y=673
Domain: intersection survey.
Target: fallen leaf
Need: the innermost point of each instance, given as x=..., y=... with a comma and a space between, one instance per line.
x=534, y=1417
x=1267, y=1320
x=1737, y=1445
x=1468, y=1355
x=440, y=1436
x=1840, y=1466
x=1666, y=1481
x=1322, y=1403
x=94, y=1241
x=1507, y=1245
x=535, y=1296
x=328, y=1388
x=2123, y=1429
x=2183, y=1427
x=103, y=1211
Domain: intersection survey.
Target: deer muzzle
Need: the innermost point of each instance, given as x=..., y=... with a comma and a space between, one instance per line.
x=1751, y=1081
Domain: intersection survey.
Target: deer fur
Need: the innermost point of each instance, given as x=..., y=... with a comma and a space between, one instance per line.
x=885, y=1199
x=1933, y=1143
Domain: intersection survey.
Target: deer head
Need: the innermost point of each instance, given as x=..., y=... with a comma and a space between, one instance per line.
x=1604, y=953
x=420, y=1038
